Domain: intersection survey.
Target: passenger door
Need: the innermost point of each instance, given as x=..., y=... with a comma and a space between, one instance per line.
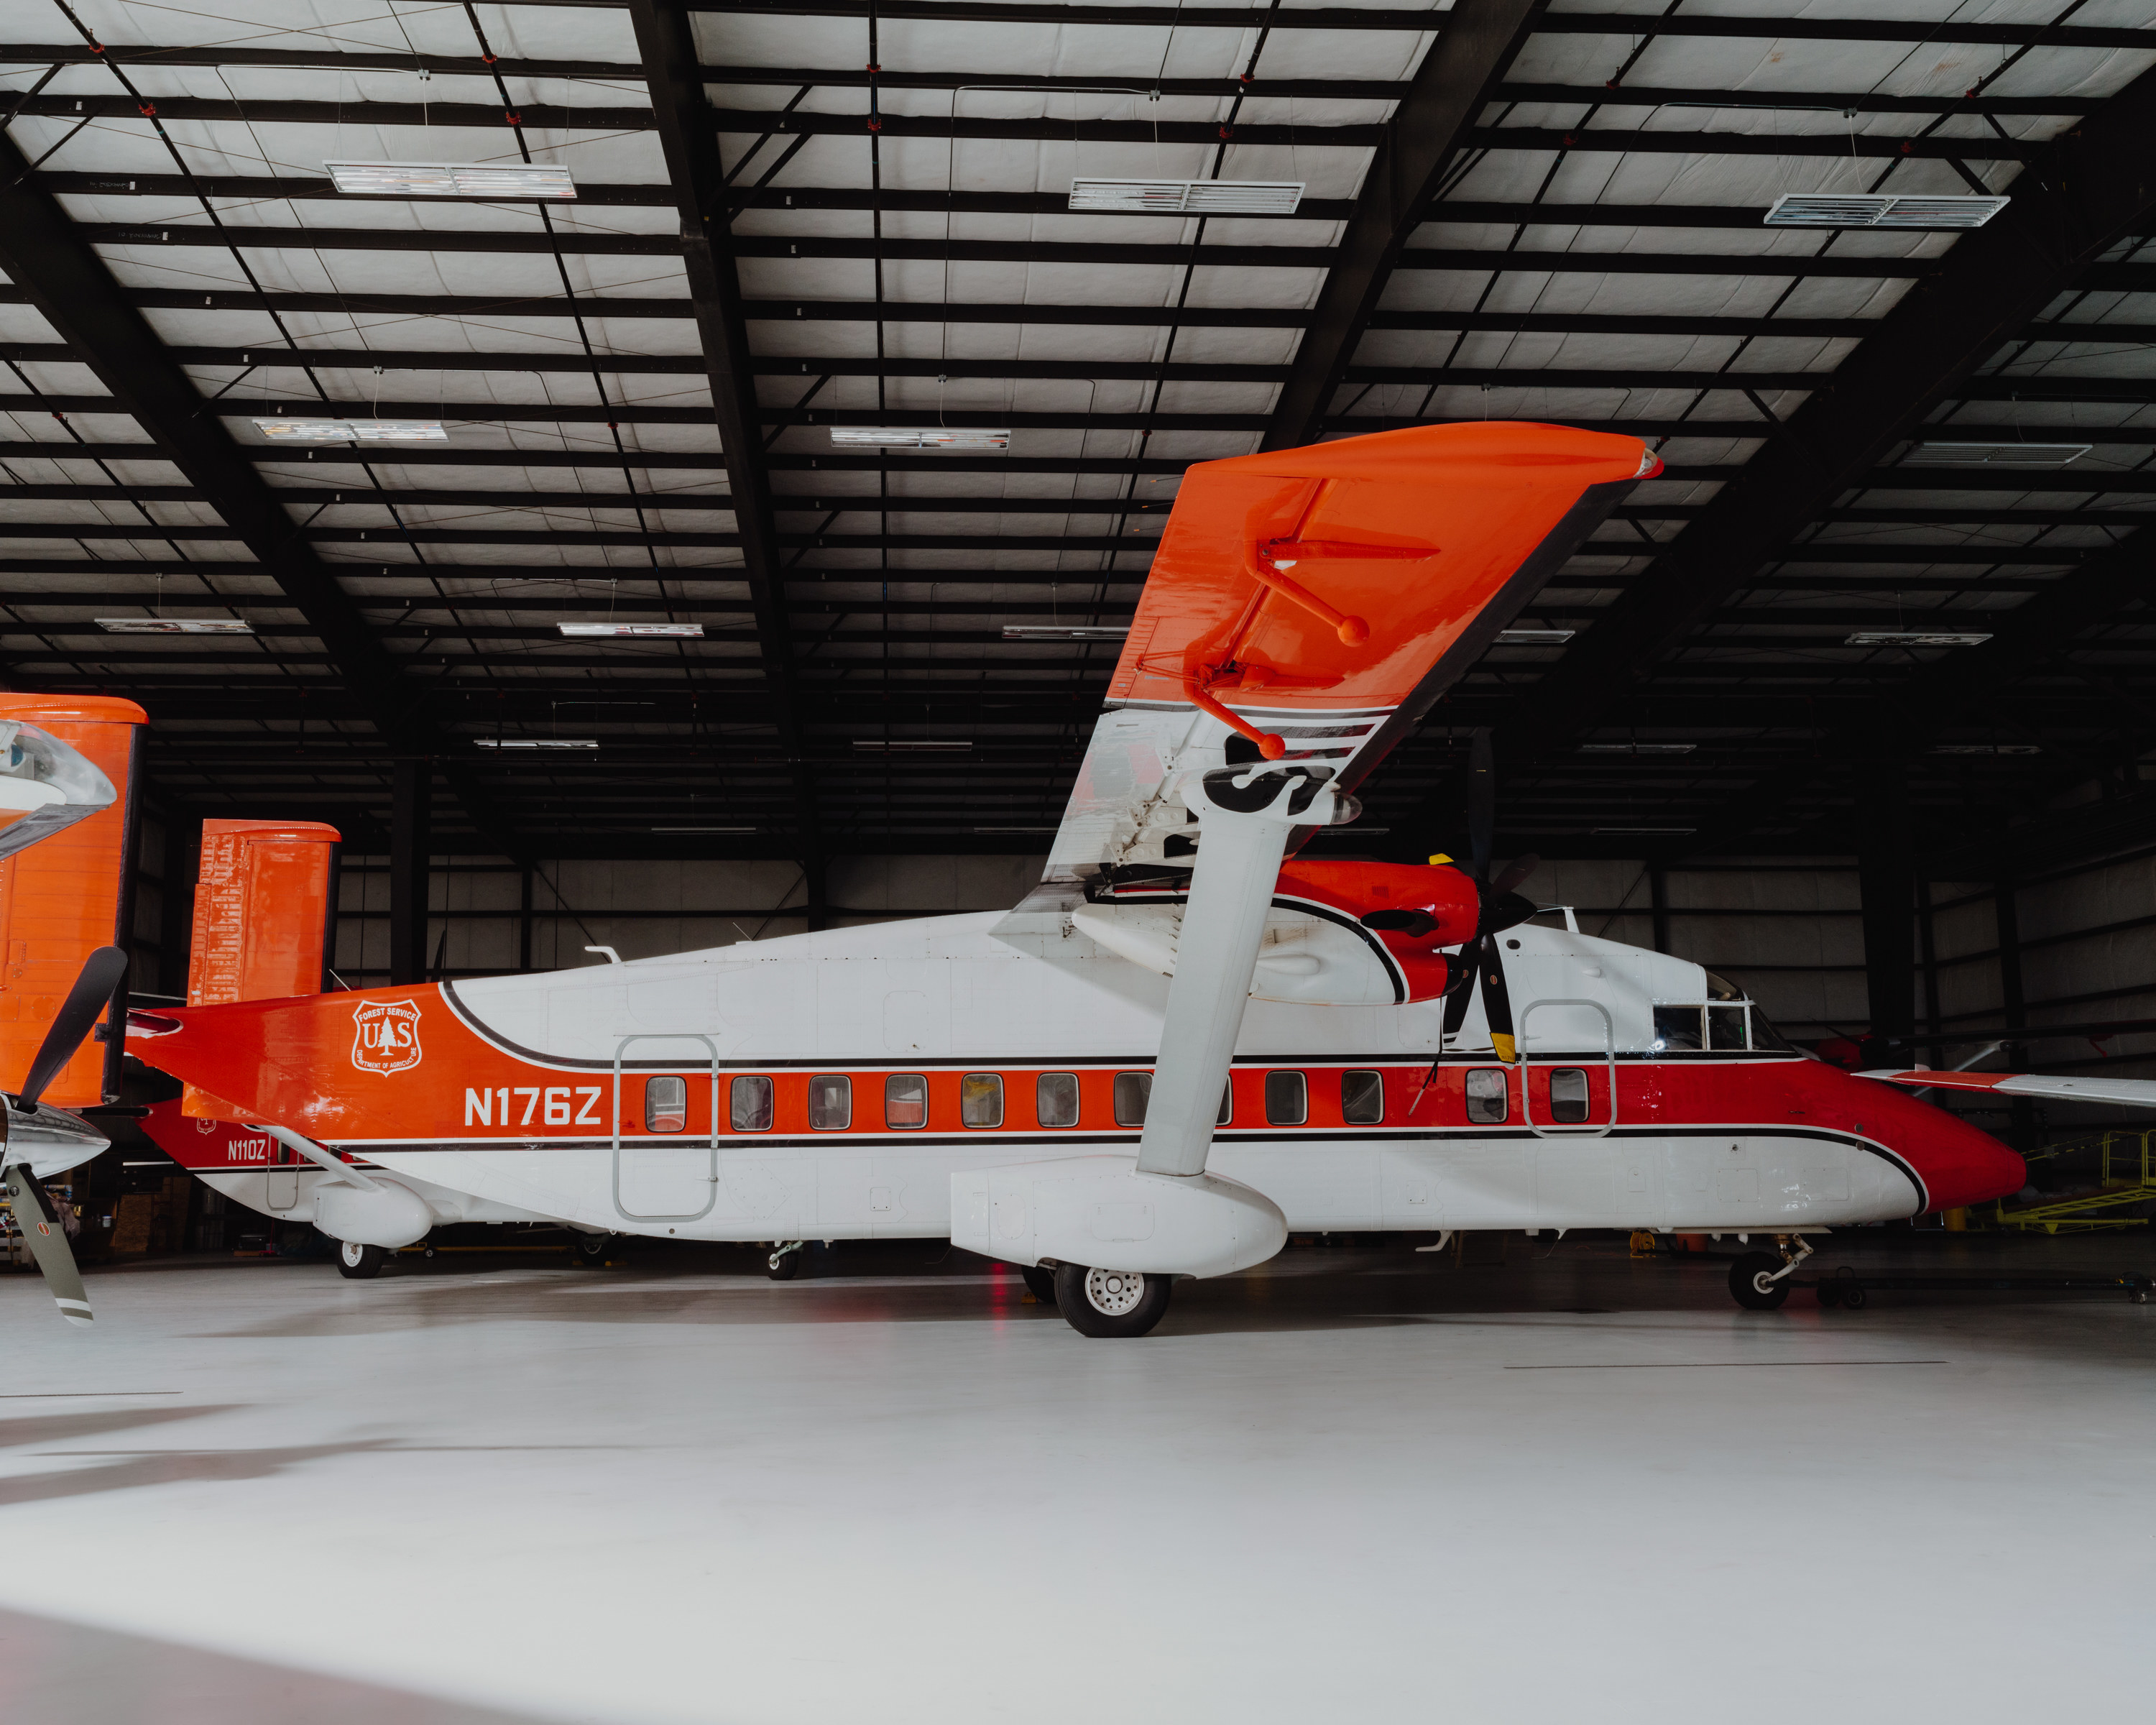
x=658, y=1176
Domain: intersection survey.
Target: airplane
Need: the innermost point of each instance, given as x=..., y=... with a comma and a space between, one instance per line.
x=1195, y=1035
x=66, y=828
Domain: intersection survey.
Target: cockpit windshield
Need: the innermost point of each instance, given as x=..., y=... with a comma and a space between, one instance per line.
x=1725, y=1022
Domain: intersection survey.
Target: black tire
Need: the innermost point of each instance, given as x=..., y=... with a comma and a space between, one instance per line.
x=591, y=1247
x=1748, y=1285
x=1828, y=1292
x=1852, y=1297
x=1040, y=1283
x=362, y=1263
x=784, y=1267
x=1105, y=1302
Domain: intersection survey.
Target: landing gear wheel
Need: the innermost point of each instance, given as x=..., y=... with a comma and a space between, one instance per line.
x=1110, y=1302
x=1041, y=1284
x=785, y=1263
x=1752, y=1284
x=1829, y=1295
x=360, y=1262
x=591, y=1247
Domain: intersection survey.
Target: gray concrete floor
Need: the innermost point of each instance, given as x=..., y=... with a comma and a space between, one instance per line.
x=491, y=1492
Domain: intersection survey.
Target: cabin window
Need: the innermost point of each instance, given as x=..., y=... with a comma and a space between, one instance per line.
x=1567, y=1095
x=1133, y=1091
x=750, y=1105
x=1725, y=1027
x=906, y=1102
x=1287, y=1099
x=665, y=1105
x=1362, y=1098
x=1055, y=1099
x=981, y=1099
x=1485, y=1096
x=1676, y=1027
x=830, y=1102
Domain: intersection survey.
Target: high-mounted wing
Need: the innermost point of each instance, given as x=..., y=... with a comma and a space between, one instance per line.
x=2134, y=1092
x=1305, y=608
x=1310, y=605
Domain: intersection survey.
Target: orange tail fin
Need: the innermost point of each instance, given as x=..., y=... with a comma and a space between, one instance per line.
x=262, y=911
x=66, y=894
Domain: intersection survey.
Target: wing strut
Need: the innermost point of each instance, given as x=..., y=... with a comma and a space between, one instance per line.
x=1245, y=815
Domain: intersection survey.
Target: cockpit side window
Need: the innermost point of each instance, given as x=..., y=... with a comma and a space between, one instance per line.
x=1676, y=1027
x=1725, y=1027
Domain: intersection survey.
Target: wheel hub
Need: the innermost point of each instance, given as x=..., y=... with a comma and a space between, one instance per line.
x=1112, y=1293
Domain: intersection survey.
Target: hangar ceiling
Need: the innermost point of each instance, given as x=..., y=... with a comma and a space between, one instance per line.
x=817, y=214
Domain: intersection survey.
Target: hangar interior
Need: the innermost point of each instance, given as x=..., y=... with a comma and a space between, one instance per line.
x=655, y=540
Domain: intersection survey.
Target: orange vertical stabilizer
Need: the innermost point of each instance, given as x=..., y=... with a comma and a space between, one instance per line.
x=262, y=911
x=66, y=895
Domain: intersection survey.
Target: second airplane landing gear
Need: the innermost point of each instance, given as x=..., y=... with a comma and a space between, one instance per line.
x=360, y=1262
x=784, y=1263
x=1110, y=1302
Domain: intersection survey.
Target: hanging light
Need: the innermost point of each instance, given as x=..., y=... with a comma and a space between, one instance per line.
x=1882, y=209
x=1066, y=631
x=1914, y=637
x=917, y=437
x=605, y=631
x=450, y=179
x=345, y=431
x=174, y=626
x=1188, y=198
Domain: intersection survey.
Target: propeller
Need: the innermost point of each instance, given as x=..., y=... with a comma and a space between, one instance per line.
x=42, y=1229
x=77, y=1015
x=1502, y=907
x=1481, y=965
x=48, y=1242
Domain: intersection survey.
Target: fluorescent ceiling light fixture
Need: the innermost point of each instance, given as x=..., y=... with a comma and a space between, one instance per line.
x=1534, y=637
x=1882, y=209
x=1954, y=454
x=1913, y=637
x=450, y=179
x=1065, y=632
x=703, y=830
x=174, y=626
x=348, y=431
x=988, y=832
x=1642, y=832
x=1186, y=197
x=630, y=631
x=1637, y=748
x=1985, y=748
x=916, y=437
x=907, y=746
x=536, y=742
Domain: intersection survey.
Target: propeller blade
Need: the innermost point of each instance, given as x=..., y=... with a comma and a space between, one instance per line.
x=1481, y=802
x=1458, y=994
x=78, y=1016
x=1520, y=868
x=1496, y=1000
x=48, y=1242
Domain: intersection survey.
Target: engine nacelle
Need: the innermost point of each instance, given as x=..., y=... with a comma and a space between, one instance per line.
x=1100, y=1212
x=391, y=1215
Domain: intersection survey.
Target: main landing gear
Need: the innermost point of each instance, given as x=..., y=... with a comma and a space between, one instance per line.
x=1040, y=1283
x=1759, y=1282
x=784, y=1263
x=1110, y=1302
x=360, y=1262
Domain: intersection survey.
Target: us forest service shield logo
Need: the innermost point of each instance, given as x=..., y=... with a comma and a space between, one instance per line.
x=385, y=1035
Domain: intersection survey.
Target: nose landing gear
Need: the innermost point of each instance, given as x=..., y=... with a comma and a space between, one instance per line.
x=1758, y=1281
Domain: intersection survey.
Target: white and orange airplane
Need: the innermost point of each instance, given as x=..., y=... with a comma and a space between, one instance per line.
x=1190, y=1040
